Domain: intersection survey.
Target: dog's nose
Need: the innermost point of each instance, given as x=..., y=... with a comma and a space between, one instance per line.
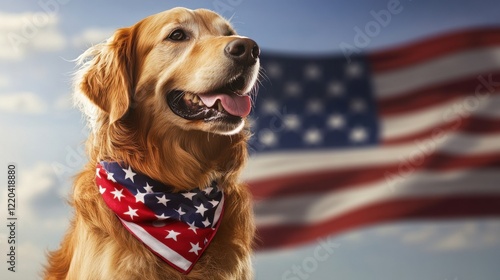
x=243, y=50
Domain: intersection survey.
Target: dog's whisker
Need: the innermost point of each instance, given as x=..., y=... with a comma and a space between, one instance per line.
x=179, y=97
x=263, y=74
x=253, y=93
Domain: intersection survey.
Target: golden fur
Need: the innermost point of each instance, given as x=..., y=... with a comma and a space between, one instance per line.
x=121, y=87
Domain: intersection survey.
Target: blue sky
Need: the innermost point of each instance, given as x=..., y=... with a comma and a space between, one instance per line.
x=43, y=134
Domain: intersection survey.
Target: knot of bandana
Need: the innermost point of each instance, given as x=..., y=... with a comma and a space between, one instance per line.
x=177, y=227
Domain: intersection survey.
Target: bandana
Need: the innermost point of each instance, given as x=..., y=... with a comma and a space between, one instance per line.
x=177, y=227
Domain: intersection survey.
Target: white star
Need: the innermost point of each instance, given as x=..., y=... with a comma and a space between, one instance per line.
x=335, y=88
x=313, y=136
x=163, y=200
x=214, y=203
x=140, y=196
x=180, y=212
x=291, y=122
x=206, y=222
x=358, y=134
x=194, y=248
x=201, y=209
x=101, y=189
x=162, y=217
x=270, y=107
x=131, y=212
x=274, y=70
x=267, y=137
x=97, y=172
x=354, y=70
x=312, y=72
x=358, y=105
x=111, y=178
x=148, y=188
x=314, y=106
x=335, y=121
x=192, y=227
x=118, y=194
x=293, y=89
x=172, y=234
x=129, y=174
x=189, y=195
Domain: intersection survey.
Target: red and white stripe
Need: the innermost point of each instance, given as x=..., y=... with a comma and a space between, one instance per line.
x=439, y=157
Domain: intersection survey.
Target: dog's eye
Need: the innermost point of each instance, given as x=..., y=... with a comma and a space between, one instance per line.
x=178, y=35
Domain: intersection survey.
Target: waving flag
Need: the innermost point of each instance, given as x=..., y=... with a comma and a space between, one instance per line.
x=407, y=133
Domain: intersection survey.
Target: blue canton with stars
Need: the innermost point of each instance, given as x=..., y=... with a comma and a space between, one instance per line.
x=313, y=103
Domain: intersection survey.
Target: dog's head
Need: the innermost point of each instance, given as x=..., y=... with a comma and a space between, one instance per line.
x=177, y=82
x=190, y=62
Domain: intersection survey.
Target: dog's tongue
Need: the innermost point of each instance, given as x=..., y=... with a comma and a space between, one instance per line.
x=234, y=104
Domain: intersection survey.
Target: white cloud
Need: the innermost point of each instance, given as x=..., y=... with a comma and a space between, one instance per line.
x=27, y=32
x=455, y=241
x=50, y=40
x=4, y=81
x=492, y=237
x=63, y=102
x=354, y=236
x=420, y=235
x=43, y=197
x=470, y=235
x=32, y=256
x=388, y=230
x=436, y=236
x=443, y=236
x=22, y=102
x=36, y=180
x=458, y=239
x=92, y=36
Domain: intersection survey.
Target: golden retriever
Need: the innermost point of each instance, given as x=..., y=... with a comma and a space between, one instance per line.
x=168, y=97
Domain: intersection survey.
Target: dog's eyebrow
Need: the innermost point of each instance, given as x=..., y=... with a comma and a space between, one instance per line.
x=217, y=26
x=229, y=32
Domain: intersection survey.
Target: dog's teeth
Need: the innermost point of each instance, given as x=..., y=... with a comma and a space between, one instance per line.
x=219, y=106
x=196, y=99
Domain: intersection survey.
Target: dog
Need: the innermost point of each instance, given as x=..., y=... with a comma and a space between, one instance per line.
x=166, y=101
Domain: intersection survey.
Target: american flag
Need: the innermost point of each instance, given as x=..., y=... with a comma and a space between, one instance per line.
x=177, y=227
x=406, y=133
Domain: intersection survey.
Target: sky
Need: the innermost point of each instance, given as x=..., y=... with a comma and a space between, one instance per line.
x=43, y=134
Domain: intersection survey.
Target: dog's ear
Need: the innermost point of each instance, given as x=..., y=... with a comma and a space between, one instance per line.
x=108, y=76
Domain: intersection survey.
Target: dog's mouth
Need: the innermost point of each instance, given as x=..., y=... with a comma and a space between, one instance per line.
x=222, y=104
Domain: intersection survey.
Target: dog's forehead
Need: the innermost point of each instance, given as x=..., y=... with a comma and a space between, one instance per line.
x=212, y=20
x=200, y=20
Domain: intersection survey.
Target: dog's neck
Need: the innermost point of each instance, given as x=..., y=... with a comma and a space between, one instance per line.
x=184, y=159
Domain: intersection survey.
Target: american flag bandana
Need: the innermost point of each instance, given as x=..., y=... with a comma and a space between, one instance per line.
x=177, y=227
